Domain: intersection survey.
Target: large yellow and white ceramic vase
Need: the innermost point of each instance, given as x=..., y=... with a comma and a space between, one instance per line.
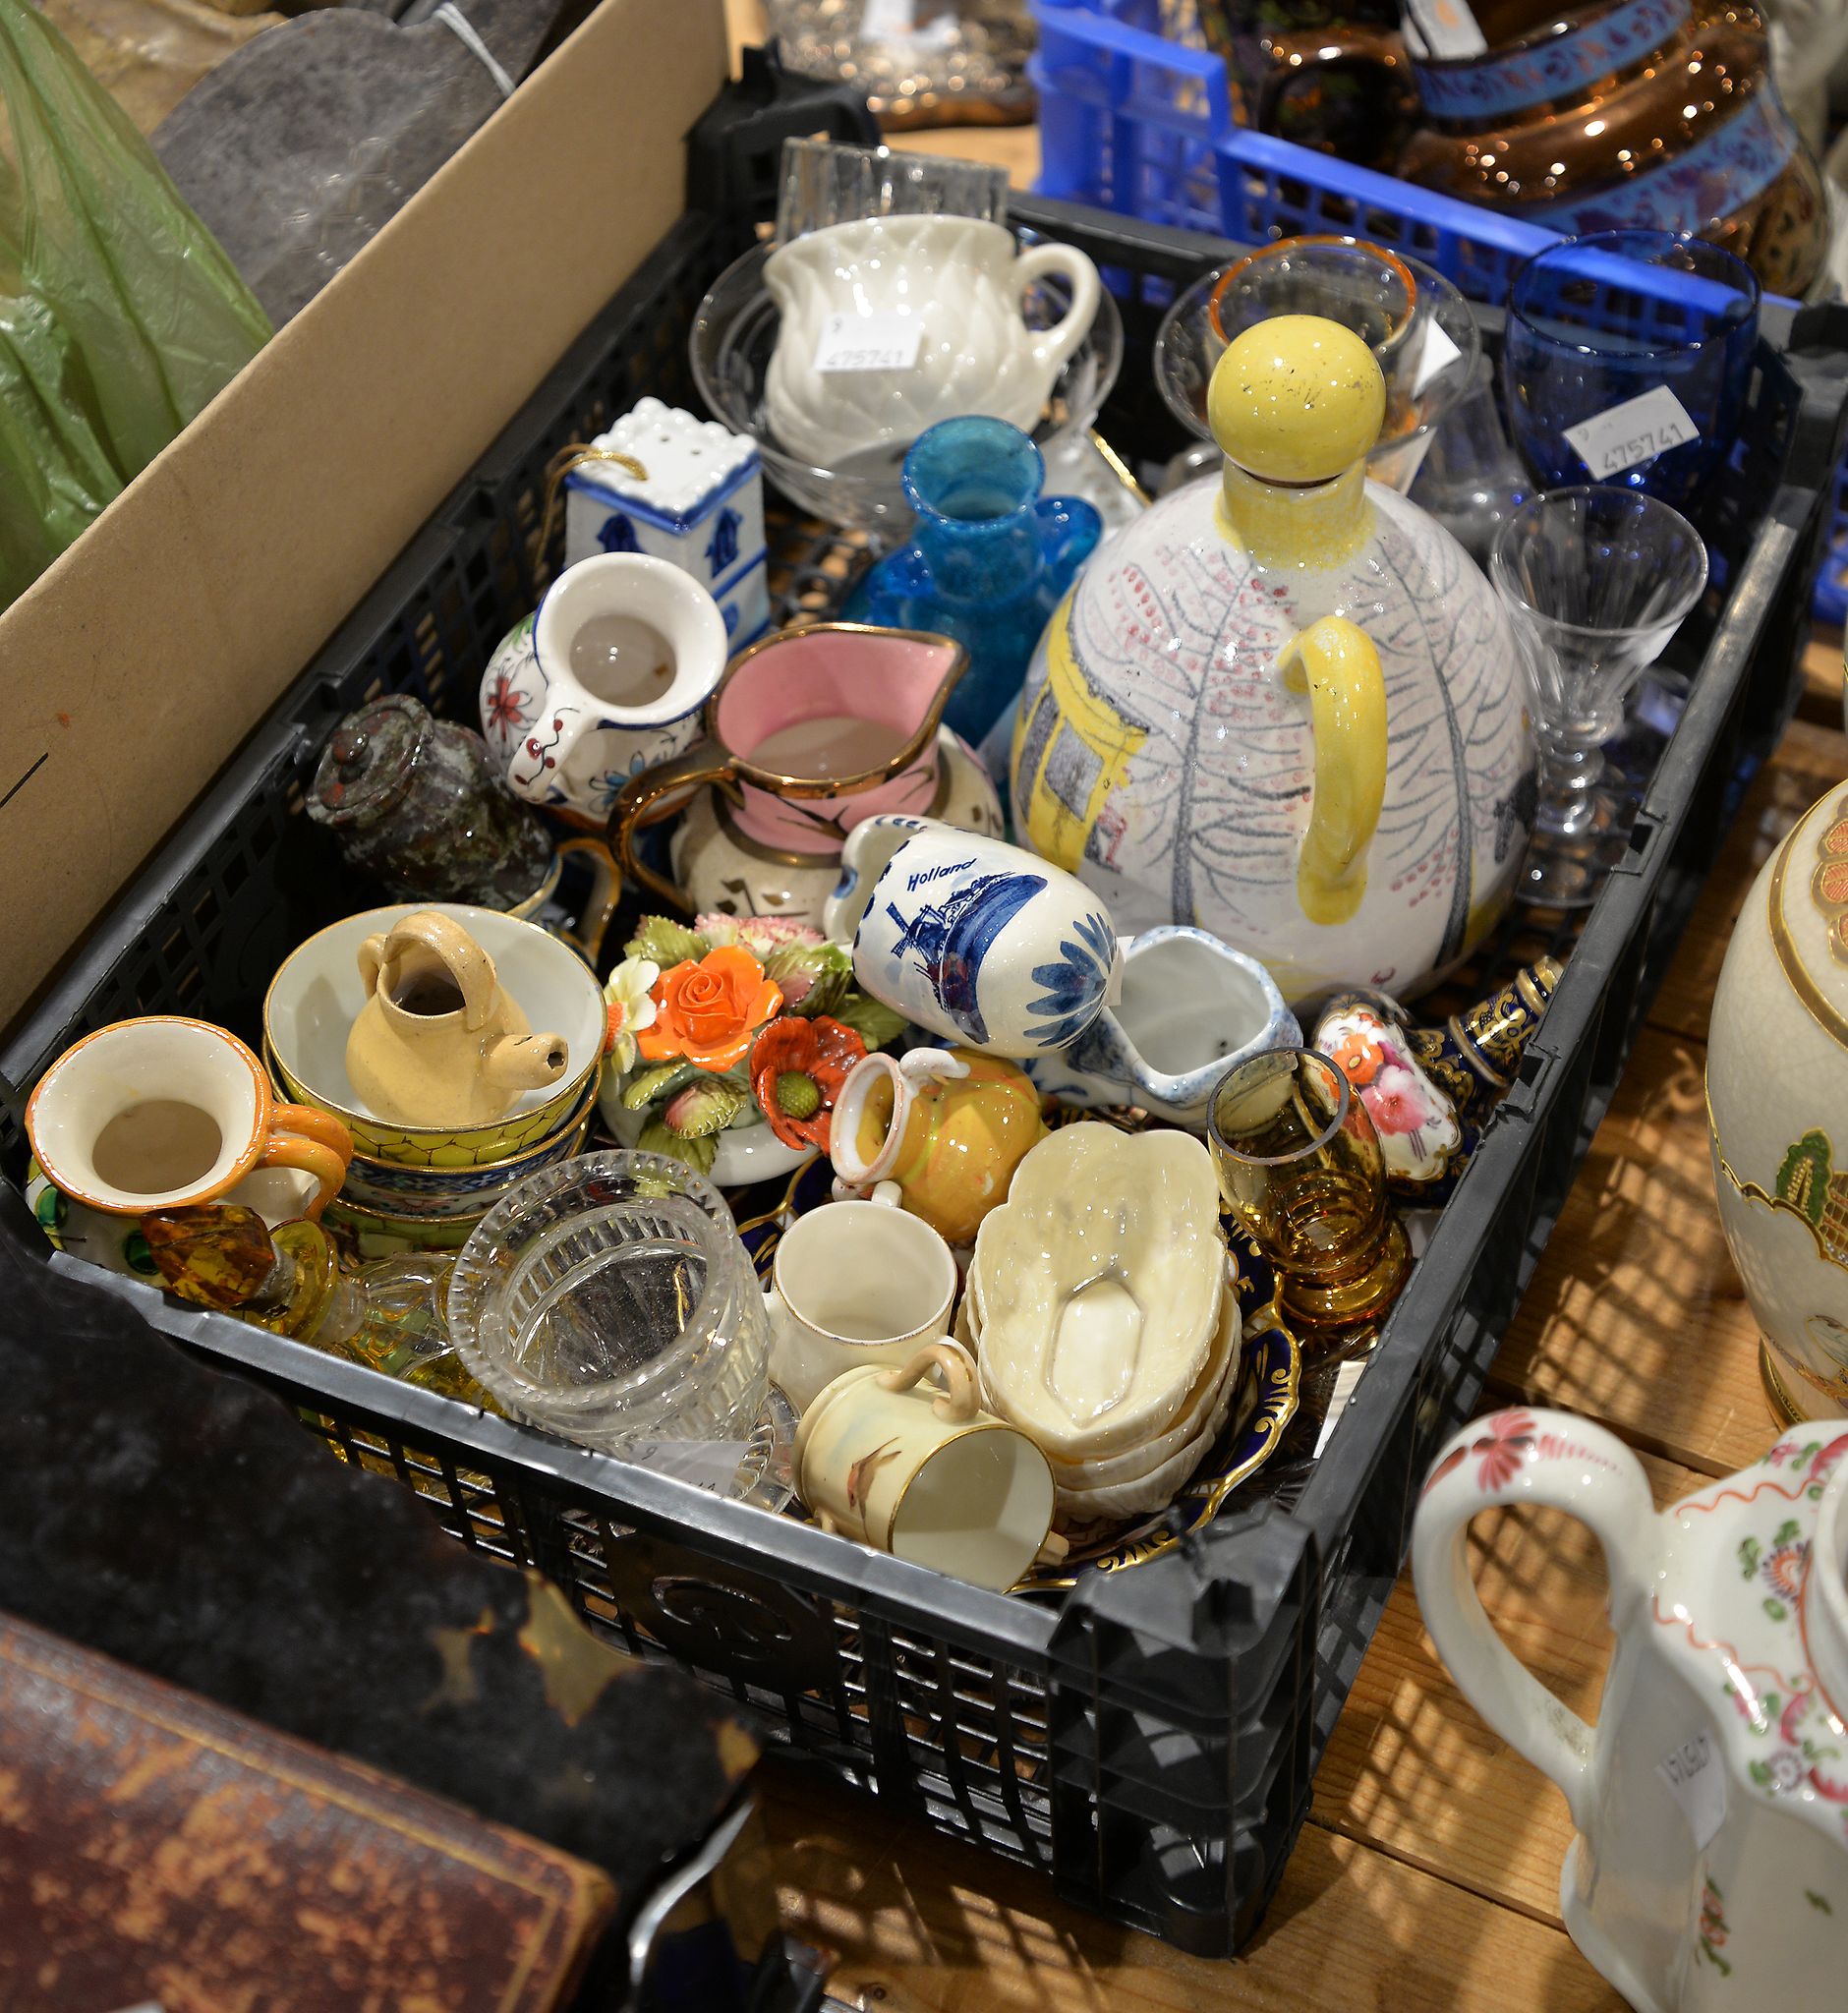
x=1285, y=704
x=1777, y=1110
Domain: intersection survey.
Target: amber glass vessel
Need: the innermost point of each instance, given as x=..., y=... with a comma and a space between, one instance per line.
x=1299, y=1167
x=1326, y=74
x=1652, y=114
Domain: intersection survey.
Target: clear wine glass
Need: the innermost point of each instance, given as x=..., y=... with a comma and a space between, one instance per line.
x=825, y=182
x=1596, y=581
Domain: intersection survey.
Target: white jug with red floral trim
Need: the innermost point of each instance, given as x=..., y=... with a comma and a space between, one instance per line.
x=1710, y=1870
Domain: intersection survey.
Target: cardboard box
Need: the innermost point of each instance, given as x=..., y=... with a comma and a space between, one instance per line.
x=134, y=667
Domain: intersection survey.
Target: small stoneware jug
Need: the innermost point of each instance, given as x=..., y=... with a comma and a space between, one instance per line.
x=977, y=939
x=607, y=677
x=440, y=1040
x=947, y=1126
x=947, y=291
x=1191, y=1007
x=927, y=1475
x=1711, y=1799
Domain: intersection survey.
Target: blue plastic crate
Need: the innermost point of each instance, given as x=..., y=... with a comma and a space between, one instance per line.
x=1135, y=116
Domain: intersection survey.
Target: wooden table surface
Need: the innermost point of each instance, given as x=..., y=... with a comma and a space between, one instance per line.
x=1428, y=1873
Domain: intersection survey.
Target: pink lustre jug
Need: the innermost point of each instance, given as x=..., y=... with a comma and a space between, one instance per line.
x=1710, y=1870
x=810, y=732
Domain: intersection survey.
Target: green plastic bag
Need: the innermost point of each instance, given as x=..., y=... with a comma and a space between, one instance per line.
x=120, y=317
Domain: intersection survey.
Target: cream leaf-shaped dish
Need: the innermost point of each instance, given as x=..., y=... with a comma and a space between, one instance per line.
x=1193, y=1426
x=1083, y=1501
x=1102, y=1278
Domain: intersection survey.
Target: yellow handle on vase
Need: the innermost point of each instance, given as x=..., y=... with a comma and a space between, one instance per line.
x=1334, y=662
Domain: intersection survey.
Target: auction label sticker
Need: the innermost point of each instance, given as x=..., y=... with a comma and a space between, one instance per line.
x=1696, y=1781
x=869, y=342
x=1439, y=354
x=1447, y=27
x=1635, y=431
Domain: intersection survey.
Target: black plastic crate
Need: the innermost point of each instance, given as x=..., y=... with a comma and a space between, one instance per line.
x=1150, y=1742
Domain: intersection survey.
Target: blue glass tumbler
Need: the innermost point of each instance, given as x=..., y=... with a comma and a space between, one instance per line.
x=988, y=562
x=1600, y=328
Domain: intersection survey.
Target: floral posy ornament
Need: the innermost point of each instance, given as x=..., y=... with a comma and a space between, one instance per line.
x=1420, y=1131
x=729, y=1039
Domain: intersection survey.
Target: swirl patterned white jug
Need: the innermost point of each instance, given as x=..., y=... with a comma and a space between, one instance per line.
x=1284, y=705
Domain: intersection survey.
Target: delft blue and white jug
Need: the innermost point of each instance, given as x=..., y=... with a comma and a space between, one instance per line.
x=1284, y=706
x=973, y=938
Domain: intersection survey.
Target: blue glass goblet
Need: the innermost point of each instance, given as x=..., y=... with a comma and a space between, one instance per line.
x=1626, y=360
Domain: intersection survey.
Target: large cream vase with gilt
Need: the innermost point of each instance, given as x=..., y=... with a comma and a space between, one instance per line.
x=1777, y=1110
x=1284, y=705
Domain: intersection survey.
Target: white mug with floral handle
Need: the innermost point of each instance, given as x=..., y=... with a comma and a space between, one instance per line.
x=1711, y=1799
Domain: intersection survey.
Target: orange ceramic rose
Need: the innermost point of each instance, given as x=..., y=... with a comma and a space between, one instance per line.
x=708, y=1011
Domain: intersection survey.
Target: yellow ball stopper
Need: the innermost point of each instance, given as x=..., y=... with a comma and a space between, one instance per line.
x=1296, y=399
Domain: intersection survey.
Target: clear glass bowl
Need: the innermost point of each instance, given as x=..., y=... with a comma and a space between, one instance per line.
x=610, y=1300
x=1395, y=304
x=734, y=333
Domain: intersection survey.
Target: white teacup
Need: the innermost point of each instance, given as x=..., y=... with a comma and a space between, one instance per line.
x=854, y=1284
x=928, y=1477
x=956, y=284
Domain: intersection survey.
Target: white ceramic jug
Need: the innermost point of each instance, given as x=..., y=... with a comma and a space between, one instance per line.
x=948, y=289
x=1710, y=1870
x=609, y=675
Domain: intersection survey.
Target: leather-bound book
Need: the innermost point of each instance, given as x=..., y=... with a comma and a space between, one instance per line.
x=157, y=1850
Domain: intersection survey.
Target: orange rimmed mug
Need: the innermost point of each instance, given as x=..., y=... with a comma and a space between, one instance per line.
x=164, y=1111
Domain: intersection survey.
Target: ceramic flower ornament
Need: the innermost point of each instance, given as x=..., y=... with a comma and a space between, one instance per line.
x=627, y=991
x=797, y=1068
x=708, y=1010
x=729, y=1041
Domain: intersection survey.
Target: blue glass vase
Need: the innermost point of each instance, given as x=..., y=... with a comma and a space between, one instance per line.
x=989, y=559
